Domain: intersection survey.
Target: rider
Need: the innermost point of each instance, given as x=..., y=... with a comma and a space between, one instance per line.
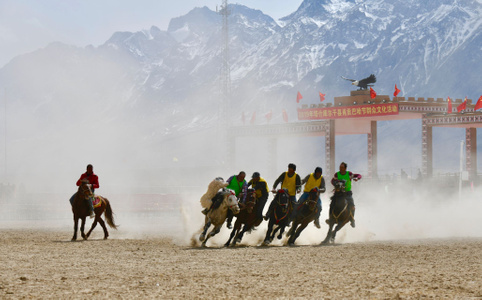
x=260, y=186
x=290, y=181
x=311, y=181
x=238, y=184
x=93, y=180
x=343, y=174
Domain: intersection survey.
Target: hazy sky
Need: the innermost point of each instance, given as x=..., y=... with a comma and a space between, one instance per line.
x=27, y=25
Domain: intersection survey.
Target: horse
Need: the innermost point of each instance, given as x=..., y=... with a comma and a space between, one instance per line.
x=246, y=216
x=80, y=209
x=279, y=216
x=304, y=214
x=339, y=212
x=218, y=213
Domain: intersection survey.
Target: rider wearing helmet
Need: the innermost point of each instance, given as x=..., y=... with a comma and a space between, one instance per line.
x=311, y=181
x=343, y=174
x=261, y=189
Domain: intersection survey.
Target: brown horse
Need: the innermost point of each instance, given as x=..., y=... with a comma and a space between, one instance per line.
x=246, y=216
x=339, y=212
x=80, y=209
x=303, y=215
x=279, y=217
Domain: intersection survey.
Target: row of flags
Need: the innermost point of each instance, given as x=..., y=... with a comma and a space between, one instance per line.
x=268, y=116
x=373, y=95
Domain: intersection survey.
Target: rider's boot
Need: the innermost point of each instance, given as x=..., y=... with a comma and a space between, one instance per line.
x=205, y=211
x=91, y=207
x=352, y=216
x=317, y=223
x=230, y=220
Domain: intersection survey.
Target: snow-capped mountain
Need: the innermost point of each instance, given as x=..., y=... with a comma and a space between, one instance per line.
x=143, y=87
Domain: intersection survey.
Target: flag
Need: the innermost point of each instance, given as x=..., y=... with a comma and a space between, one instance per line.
x=298, y=97
x=462, y=106
x=243, y=118
x=396, y=91
x=373, y=94
x=478, y=105
x=449, y=105
x=269, y=115
x=253, y=118
x=285, y=116
x=322, y=97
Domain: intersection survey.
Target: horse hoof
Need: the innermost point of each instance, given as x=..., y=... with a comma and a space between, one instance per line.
x=291, y=244
x=279, y=237
x=266, y=242
x=202, y=237
x=237, y=241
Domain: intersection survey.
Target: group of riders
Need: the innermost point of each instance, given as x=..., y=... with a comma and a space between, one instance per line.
x=292, y=183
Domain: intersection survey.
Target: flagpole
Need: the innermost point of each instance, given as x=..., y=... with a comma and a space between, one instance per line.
x=461, y=168
x=5, y=135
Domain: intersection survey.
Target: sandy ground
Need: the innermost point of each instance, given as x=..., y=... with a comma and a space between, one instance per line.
x=45, y=264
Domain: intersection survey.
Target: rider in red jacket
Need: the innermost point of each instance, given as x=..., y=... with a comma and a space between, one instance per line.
x=93, y=180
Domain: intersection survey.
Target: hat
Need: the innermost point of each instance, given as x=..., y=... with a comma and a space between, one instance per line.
x=292, y=166
x=255, y=175
x=319, y=170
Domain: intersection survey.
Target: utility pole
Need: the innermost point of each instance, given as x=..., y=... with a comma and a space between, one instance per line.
x=225, y=107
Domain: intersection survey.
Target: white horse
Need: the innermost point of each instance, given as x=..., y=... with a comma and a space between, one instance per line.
x=215, y=185
x=217, y=215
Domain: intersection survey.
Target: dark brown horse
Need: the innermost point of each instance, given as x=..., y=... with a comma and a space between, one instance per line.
x=279, y=216
x=80, y=209
x=304, y=214
x=246, y=216
x=339, y=212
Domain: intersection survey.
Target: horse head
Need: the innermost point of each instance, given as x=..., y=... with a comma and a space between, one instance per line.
x=282, y=199
x=312, y=198
x=85, y=188
x=251, y=199
x=340, y=186
x=232, y=201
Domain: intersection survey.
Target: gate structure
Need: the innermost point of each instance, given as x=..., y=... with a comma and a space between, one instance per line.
x=359, y=114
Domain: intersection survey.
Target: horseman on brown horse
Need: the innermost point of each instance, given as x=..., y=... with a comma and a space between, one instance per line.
x=85, y=203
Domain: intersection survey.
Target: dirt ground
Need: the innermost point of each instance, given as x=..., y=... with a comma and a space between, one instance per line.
x=46, y=264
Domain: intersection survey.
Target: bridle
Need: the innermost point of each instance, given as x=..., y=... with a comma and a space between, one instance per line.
x=284, y=206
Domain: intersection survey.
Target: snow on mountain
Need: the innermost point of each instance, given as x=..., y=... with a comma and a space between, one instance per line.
x=163, y=83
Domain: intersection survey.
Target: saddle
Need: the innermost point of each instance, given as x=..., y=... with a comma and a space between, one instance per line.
x=96, y=201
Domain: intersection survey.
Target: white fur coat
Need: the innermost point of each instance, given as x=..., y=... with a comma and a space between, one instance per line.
x=213, y=188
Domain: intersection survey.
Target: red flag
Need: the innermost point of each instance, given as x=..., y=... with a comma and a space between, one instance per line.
x=478, y=105
x=462, y=106
x=269, y=115
x=396, y=91
x=449, y=105
x=298, y=97
x=322, y=97
x=373, y=94
x=285, y=116
x=243, y=118
x=253, y=118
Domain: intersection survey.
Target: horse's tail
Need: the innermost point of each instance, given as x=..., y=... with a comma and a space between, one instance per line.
x=109, y=214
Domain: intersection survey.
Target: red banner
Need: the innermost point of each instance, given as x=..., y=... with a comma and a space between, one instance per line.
x=345, y=112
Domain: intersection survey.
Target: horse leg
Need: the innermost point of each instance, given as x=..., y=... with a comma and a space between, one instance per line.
x=282, y=230
x=91, y=228
x=328, y=235
x=298, y=231
x=82, y=226
x=233, y=232
x=102, y=223
x=338, y=227
x=213, y=232
x=267, y=239
x=205, y=229
x=76, y=226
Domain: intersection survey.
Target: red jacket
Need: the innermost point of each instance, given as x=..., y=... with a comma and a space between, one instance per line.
x=92, y=178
